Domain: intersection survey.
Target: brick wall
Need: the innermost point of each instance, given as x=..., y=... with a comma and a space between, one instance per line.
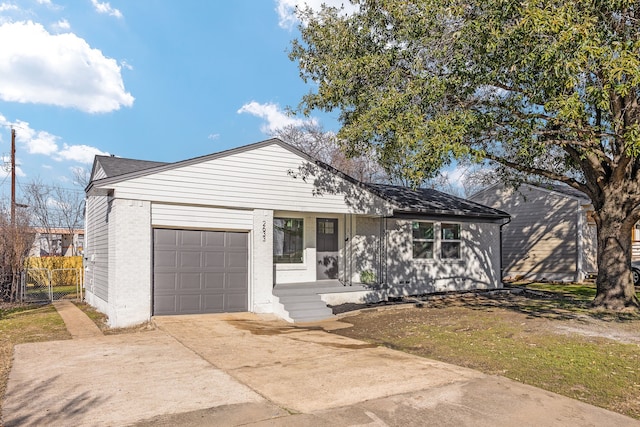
x=130, y=277
x=261, y=260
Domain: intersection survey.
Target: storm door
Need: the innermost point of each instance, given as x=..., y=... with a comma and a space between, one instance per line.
x=326, y=248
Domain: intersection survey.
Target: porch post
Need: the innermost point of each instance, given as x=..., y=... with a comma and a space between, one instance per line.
x=348, y=230
x=382, y=251
x=262, y=266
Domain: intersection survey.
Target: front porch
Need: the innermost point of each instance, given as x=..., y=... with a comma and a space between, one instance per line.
x=309, y=301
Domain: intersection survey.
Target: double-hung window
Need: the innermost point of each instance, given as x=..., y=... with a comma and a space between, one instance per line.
x=287, y=240
x=450, y=243
x=423, y=239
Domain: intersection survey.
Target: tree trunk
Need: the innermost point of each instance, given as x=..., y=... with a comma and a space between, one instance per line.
x=615, y=289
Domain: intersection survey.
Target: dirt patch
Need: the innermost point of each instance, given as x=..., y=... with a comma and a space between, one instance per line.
x=539, y=311
x=587, y=327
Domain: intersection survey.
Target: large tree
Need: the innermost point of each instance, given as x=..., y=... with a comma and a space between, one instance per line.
x=545, y=88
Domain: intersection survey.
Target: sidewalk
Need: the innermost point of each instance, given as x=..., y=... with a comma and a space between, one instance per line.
x=77, y=322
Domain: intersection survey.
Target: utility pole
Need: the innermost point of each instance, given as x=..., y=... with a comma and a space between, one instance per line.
x=13, y=177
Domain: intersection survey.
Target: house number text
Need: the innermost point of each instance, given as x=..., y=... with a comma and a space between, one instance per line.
x=264, y=231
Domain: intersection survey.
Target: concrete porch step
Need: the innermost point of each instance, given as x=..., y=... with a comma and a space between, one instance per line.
x=296, y=306
x=311, y=316
x=301, y=303
x=298, y=298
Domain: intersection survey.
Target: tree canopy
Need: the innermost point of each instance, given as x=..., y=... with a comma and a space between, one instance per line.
x=546, y=88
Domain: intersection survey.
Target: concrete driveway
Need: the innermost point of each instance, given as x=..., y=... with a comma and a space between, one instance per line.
x=246, y=369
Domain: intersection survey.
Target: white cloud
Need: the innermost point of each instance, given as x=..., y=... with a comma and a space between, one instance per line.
x=105, y=7
x=287, y=9
x=46, y=144
x=49, y=4
x=125, y=64
x=37, y=142
x=7, y=6
x=79, y=153
x=213, y=136
x=57, y=69
x=5, y=167
x=61, y=26
x=275, y=118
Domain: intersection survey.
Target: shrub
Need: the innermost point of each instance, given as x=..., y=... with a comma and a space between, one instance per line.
x=64, y=269
x=367, y=277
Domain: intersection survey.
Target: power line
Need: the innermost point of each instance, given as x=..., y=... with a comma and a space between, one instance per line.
x=4, y=180
x=24, y=187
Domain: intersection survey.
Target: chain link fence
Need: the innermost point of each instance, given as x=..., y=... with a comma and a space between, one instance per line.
x=45, y=284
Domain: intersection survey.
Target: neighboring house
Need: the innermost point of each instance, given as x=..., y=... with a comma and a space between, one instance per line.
x=232, y=231
x=551, y=235
x=57, y=242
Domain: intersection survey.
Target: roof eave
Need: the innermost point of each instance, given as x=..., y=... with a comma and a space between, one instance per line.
x=416, y=213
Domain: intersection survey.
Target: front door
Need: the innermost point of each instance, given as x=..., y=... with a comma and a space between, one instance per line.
x=326, y=248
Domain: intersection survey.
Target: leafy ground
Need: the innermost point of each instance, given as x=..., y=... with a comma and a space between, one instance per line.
x=545, y=335
x=26, y=323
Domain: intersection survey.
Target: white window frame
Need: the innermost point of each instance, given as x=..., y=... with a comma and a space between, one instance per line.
x=423, y=240
x=302, y=236
x=458, y=241
x=438, y=242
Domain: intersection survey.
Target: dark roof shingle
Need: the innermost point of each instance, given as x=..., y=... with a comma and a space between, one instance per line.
x=427, y=201
x=115, y=166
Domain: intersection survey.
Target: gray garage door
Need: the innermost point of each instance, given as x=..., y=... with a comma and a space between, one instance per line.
x=199, y=271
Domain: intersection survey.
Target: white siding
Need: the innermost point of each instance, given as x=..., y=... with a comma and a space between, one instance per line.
x=266, y=177
x=96, y=247
x=366, y=248
x=99, y=173
x=478, y=267
x=200, y=217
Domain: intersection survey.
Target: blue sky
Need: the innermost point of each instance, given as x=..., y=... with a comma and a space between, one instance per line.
x=153, y=80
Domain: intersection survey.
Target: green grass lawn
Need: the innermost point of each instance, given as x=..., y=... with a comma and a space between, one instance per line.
x=582, y=291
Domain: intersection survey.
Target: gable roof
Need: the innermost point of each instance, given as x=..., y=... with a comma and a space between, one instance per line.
x=116, y=166
x=557, y=187
x=139, y=168
x=563, y=189
x=427, y=201
x=406, y=201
